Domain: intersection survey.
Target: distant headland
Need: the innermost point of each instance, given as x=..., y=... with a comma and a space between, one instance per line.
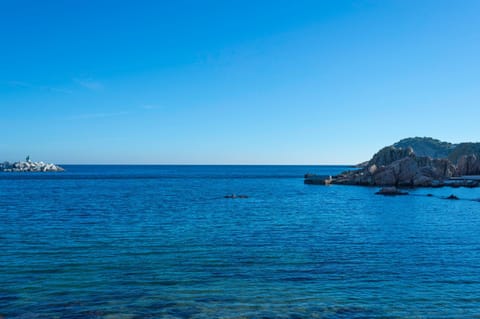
x=414, y=162
x=29, y=166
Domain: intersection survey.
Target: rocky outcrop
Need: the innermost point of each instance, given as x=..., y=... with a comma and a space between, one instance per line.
x=436, y=164
x=29, y=166
x=314, y=179
x=393, y=166
x=463, y=149
x=468, y=165
x=389, y=154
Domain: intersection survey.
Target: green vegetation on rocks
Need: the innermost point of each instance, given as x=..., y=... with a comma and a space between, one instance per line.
x=430, y=147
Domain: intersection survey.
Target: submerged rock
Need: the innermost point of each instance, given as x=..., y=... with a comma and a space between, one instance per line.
x=233, y=196
x=390, y=191
x=454, y=197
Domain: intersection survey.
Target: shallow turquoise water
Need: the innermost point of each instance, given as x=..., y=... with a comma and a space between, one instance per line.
x=162, y=242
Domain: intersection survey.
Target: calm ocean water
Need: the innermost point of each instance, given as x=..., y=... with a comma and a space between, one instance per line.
x=162, y=242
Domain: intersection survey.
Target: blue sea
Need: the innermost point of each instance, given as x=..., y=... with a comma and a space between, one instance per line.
x=162, y=242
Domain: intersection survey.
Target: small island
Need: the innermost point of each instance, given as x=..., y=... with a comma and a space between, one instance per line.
x=29, y=166
x=414, y=162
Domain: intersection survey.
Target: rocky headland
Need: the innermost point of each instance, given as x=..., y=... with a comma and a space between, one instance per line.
x=29, y=166
x=400, y=165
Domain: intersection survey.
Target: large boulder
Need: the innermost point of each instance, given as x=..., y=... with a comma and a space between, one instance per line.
x=390, y=191
x=468, y=165
x=422, y=180
x=385, y=176
x=390, y=154
x=313, y=179
x=406, y=169
x=442, y=168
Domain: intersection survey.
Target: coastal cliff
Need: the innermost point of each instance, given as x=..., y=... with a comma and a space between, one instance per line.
x=403, y=167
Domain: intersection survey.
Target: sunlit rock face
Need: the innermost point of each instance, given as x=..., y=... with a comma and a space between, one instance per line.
x=393, y=166
x=418, y=161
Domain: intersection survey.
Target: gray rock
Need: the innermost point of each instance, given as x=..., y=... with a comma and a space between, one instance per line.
x=422, y=180
x=385, y=176
x=372, y=169
x=453, y=197
x=397, y=167
x=468, y=165
x=406, y=170
x=389, y=154
x=390, y=191
x=313, y=179
x=442, y=168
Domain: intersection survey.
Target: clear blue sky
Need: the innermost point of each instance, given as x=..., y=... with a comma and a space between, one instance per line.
x=245, y=82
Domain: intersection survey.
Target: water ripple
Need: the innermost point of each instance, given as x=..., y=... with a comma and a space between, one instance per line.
x=169, y=247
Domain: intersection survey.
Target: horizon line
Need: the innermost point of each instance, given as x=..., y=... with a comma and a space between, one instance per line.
x=196, y=164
